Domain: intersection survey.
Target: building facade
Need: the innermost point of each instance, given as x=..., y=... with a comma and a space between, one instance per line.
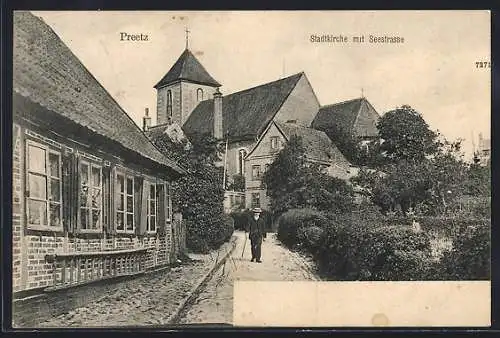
x=91, y=194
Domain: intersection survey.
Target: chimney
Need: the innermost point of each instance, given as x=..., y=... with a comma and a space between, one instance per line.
x=146, y=120
x=217, y=131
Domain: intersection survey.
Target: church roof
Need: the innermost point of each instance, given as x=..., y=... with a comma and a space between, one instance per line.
x=187, y=67
x=245, y=114
x=317, y=144
x=46, y=74
x=346, y=115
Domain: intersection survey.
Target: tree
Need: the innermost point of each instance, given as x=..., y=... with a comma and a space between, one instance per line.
x=293, y=182
x=199, y=195
x=406, y=135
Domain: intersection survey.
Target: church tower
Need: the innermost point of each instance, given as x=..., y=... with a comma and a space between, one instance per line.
x=185, y=85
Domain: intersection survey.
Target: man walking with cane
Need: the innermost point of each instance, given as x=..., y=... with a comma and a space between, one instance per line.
x=257, y=232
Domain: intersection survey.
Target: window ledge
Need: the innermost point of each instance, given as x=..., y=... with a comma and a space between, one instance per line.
x=89, y=231
x=45, y=228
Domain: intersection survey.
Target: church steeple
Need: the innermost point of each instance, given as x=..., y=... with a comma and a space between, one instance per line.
x=188, y=68
x=183, y=87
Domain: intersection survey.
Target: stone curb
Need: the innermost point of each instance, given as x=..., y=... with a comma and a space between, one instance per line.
x=174, y=317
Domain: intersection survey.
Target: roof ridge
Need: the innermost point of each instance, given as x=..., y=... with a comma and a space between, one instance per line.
x=262, y=84
x=342, y=102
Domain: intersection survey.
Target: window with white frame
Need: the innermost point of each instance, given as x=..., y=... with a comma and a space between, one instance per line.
x=125, y=207
x=152, y=208
x=256, y=173
x=275, y=142
x=90, y=212
x=43, y=185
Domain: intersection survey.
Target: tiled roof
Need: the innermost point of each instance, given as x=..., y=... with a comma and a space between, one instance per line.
x=345, y=115
x=48, y=73
x=245, y=114
x=187, y=67
x=317, y=144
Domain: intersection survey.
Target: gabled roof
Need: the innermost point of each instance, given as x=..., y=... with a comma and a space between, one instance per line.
x=187, y=67
x=317, y=144
x=48, y=74
x=245, y=114
x=345, y=115
x=172, y=131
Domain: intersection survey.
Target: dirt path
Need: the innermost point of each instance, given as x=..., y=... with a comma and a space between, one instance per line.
x=215, y=304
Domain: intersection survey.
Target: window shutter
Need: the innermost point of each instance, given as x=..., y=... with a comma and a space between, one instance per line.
x=106, y=199
x=161, y=208
x=67, y=189
x=138, y=197
x=144, y=208
x=73, y=192
x=113, y=201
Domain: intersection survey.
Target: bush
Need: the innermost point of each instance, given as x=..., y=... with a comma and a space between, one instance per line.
x=351, y=249
x=293, y=222
x=470, y=257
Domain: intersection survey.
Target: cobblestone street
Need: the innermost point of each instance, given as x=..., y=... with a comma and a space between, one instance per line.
x=214, y=305
x=145, y=300
x=152, y=299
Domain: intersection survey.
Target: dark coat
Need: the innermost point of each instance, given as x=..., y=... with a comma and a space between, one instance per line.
x=257, y=229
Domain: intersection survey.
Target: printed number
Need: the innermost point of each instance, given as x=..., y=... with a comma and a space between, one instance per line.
x=483, y=64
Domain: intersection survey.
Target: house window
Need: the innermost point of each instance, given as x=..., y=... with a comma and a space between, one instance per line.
x=256, y=172
x=275, y=142
x=199, y=94
x=152, y=208
x=169, y=105
x=256, y=200
x=44, y=186
x=90, y=212
x=242, y=153
x=125, y=203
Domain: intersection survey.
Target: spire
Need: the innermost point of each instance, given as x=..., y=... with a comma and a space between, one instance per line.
x=187, y=37
x=362, y=92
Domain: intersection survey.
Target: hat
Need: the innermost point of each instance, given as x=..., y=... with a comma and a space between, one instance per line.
x=256, y=210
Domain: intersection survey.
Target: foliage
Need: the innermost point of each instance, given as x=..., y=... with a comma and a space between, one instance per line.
x=470, y=257
x=478, y=182
x=352, y=249
x=241, y=219
x=428, y=185
x=356, y=152
x=292, y=225
x=199, y=194
x=292, y=182
x=406, y=135
x=238, y=183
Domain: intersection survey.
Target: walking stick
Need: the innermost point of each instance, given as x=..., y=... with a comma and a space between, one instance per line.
x=244, y=245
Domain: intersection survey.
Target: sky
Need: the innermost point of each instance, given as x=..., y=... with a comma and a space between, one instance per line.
x=434, y=70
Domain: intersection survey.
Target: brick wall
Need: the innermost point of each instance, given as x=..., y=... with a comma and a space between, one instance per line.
x=31, y=271
x=161, y=104
x=189, y=97
x=17, y=208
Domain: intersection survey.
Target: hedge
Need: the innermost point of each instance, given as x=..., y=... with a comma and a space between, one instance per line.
x=293, y=226
x=360, y=246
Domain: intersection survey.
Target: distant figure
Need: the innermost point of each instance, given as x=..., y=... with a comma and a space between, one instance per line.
x=416, y=227
x=257, y=233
